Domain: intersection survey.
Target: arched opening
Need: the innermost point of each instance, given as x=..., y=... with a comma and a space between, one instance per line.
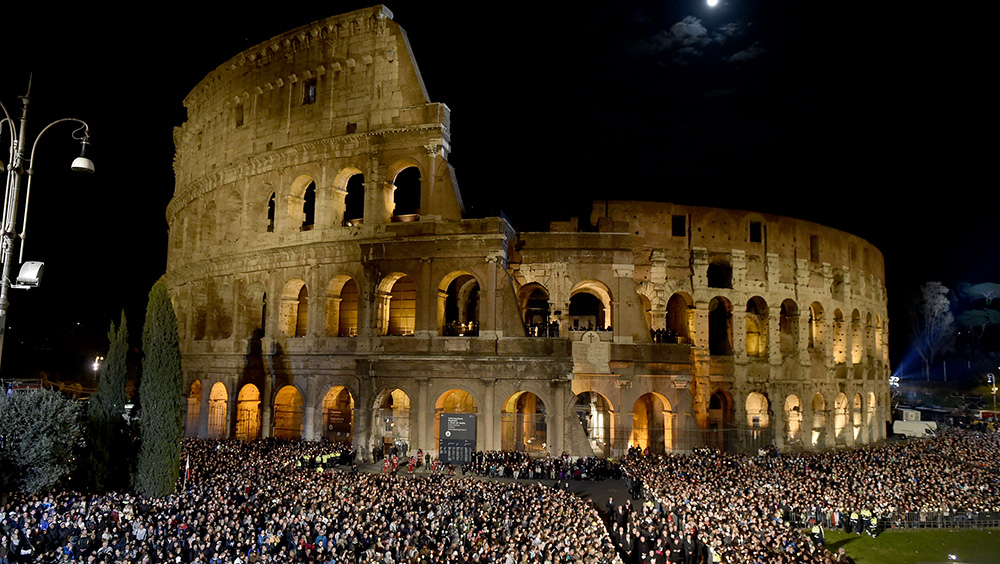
x=302, y=313
x=756, y=328
x=652, y=424
x=788, y=324
x=840, y=419
x=248, y=413
x=679, y=319
x=193, y=410
x=309, y=207
x=218, y=406
x=793, y=419
x=270, y=213
x=720, y=327
x=857, y=415
x=720, y=419
x=595, y=414
x=873, y=423
x=590, y=307
x=816, y=327
x=523, y=426
x=878, y=337
x=819, y=420
x=288, y=413
x=354, y=201
x=393, y=420
x=452, y=401
x=406, y=194
x=458, y=302
x=535, y=305
x=397, y=305
x=758, y=420
x=338, y=415
x=342, y=307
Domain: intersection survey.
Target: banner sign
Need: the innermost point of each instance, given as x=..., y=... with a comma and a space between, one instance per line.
x=457, y=437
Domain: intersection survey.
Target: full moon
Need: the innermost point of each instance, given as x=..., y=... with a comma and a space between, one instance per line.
x=713, y=3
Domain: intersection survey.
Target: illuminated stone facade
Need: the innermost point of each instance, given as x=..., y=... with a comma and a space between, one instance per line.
x=328, y=286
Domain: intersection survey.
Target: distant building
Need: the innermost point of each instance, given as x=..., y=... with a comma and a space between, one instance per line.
x=328, y=286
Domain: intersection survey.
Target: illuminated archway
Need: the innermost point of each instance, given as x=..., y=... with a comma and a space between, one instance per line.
x=819, y=419
x=534, y=299
x=596, y=415
x=840, y=412
x=452, y=401
x=679, y=317
x=248, y=413
x=342, y=307
x=793, y=419
x=652, y=423
x=788, y=325
x=458, y=305
x=193, y=410
x=396, y=298
x=338, y=415
x=288, y=413
x=523, y=425
x=218, y=406
x=756, y=328
x=392, y=419
x=590, y=306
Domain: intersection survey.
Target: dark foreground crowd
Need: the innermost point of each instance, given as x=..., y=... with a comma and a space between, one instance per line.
x=254, y=502
x=258, y=502
x=715, y=507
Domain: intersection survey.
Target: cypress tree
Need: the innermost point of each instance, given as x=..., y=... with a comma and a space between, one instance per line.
x=107, y=452
x=160, y=415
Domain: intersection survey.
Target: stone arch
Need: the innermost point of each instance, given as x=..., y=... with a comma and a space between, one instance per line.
x=596, y=414
x=302, y=203
x=293, y=316
x=720, y=273
x=218, y=406
x=652, y=423
x=406, y=180
x=392, y=419
x=590, y=306
x=758, y=411
x=230, y=216
x=396, y=297
x=817, y=333
x=534, y=301
x=793, y=419
x=679, y=317
x=342, y=299
x=248, y=413
x=522, y=423
x=721, y=412
x=819, y=419
x=840, y=418
x=288, y=413
x=872, y=421
x=193, y=409
x=756, y=322
x=270, y=212
x=878, y=337
x=869, y=347
x=338, y=415
x=788, y=327
x=720, y=326
x=458, y=304
x=353, y=209
x=454, y=400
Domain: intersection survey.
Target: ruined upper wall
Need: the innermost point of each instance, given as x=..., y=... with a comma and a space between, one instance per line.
x=346, y=75
x=722, y=230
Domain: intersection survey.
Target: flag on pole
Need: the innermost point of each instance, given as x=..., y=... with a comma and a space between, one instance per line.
x=187, y=470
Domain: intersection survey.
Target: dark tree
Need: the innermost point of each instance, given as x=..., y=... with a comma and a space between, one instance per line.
x=160, y=416
x=108, y=454
x=39, y=429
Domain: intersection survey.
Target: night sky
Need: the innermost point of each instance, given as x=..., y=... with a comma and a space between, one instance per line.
x=872, y=118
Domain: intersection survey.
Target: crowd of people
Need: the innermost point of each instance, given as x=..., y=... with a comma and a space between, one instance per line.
x=273, y=501
x=279, y=501
x=711, y=506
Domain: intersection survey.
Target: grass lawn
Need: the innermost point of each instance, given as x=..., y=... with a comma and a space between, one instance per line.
x=915, y=546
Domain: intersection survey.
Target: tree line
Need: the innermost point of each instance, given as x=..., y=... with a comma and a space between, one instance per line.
x=48, y=439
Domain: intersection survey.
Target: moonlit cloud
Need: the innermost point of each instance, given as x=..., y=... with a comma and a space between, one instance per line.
x=689, y=39
x=747, y=54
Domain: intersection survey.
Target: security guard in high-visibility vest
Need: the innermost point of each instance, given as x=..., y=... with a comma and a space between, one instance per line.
x=873, y=527
x=855, y=522
x=817, y=535
x=866, y=516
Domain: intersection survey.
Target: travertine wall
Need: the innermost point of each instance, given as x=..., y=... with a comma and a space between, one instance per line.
x=312, y=304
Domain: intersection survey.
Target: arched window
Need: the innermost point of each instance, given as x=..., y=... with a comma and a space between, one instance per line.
x=720, y=327
x=406, y=194
x=354, y=202
x=756, y=328
x=309, y=207
x=270, y=213
x=789, y=327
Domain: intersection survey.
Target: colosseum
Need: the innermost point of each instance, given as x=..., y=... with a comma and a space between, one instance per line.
x=328, y=286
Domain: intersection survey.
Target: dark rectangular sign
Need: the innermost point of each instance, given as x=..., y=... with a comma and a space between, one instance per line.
x=457, y=437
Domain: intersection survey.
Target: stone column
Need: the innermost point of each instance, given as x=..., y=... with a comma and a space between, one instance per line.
x=429, y=308
x=424, y=416
x=332, y=317
x=309, y=422
x=206, y=392
x=777, y=422
x=489, y=413
x=362, y=430
x=559, y=410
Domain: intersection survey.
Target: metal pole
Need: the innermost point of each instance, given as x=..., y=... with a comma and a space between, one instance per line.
x=10, y=212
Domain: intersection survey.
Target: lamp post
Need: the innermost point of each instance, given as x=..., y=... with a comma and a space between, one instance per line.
x=30, y=273
x=992, y=381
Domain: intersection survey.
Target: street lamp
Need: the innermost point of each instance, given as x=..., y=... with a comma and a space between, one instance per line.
x=30, y=274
